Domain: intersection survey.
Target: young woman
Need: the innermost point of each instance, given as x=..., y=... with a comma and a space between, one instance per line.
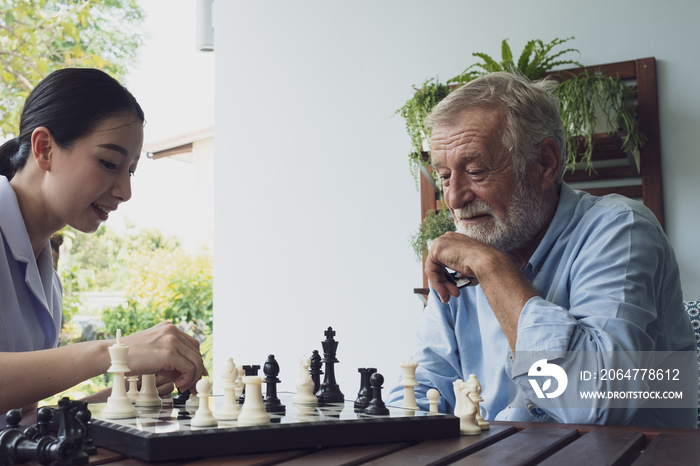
x=79, y=142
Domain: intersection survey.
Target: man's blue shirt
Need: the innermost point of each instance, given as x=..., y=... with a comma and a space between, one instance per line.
x=608, y=282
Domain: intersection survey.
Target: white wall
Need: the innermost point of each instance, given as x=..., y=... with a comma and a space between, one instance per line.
x=314, y=201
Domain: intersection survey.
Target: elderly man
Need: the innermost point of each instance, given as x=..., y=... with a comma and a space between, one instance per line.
x=558, y=272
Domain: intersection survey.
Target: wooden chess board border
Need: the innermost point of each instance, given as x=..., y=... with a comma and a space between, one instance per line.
x=190, y=443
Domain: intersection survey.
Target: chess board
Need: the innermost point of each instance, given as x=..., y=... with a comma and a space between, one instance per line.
x=166, y=434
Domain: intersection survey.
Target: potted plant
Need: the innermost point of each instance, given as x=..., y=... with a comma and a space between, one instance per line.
x=435, y=224
x=414, y=112
x=584, y=100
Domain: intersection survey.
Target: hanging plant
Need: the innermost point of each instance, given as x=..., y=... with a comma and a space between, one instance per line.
x=582, y=99
x=414, y=112
x=586, y=99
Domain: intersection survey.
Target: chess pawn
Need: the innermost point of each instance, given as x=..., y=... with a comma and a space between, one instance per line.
x=253, y=410
x=465, y=409
x=133, y=392
x=118, y=405
x=376, y=405
x=305, y=387
x=203, y=417
x=408, y=373
x=433, y=400
x=475, y=394
x=148, y=395
x=229, y=409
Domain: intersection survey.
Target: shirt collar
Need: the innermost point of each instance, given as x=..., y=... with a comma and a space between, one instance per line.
x=12, y=223
x=17, y=239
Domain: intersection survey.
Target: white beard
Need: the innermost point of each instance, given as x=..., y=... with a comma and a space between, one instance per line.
x=526, y=216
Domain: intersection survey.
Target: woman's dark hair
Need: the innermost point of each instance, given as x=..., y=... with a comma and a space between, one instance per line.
x=70, y=102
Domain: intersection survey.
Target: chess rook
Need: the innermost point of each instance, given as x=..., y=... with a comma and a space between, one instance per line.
x=408, y=372
x=148, y=395
x=248, y=371
x=364, y=395
x=253, y=410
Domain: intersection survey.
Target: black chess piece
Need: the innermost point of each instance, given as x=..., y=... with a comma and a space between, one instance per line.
x=44, y=416
x=181, y=397
x=271, y=369
x=71, y=428
x=364, y=395
x=16, y=447
x=376, y=406
x=84, y=415
x=315, y=369
x=248, y=370
x=330, y=391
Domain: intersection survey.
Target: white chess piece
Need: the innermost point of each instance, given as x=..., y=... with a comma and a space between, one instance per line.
x=192, y=403
x=465, y=409
x=475, y=394
x=239, y=381
x=203, y=417
x=133, y=392
x=408, y=371
x=118, y=405
x=253, y=410
x=305, y=387
x=229, y=409
x=433, y=399
x=148, y=395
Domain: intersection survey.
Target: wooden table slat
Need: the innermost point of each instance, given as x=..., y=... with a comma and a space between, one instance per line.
x=252, y=459
x=671, y=450
x=613, y=448
x=445, y=451
x=347, y=456
x=527, y=447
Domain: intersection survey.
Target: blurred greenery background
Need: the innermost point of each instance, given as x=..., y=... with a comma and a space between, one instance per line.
x=149, y=277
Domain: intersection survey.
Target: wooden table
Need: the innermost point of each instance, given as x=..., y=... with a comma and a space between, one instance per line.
x=504, y=444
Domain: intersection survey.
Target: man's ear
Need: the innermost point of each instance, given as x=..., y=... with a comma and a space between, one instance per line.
x=43, y=145
x=550, y=162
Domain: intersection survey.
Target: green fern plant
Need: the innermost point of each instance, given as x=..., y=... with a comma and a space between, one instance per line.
x=414, y=112
x=535, y=60
x=582, y=98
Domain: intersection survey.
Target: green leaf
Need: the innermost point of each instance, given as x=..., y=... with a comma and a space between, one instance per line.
x=506, y=56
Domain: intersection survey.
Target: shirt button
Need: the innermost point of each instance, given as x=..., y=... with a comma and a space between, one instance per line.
x=510, y=357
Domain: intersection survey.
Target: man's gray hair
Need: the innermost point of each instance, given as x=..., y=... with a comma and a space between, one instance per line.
x=531, y=109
